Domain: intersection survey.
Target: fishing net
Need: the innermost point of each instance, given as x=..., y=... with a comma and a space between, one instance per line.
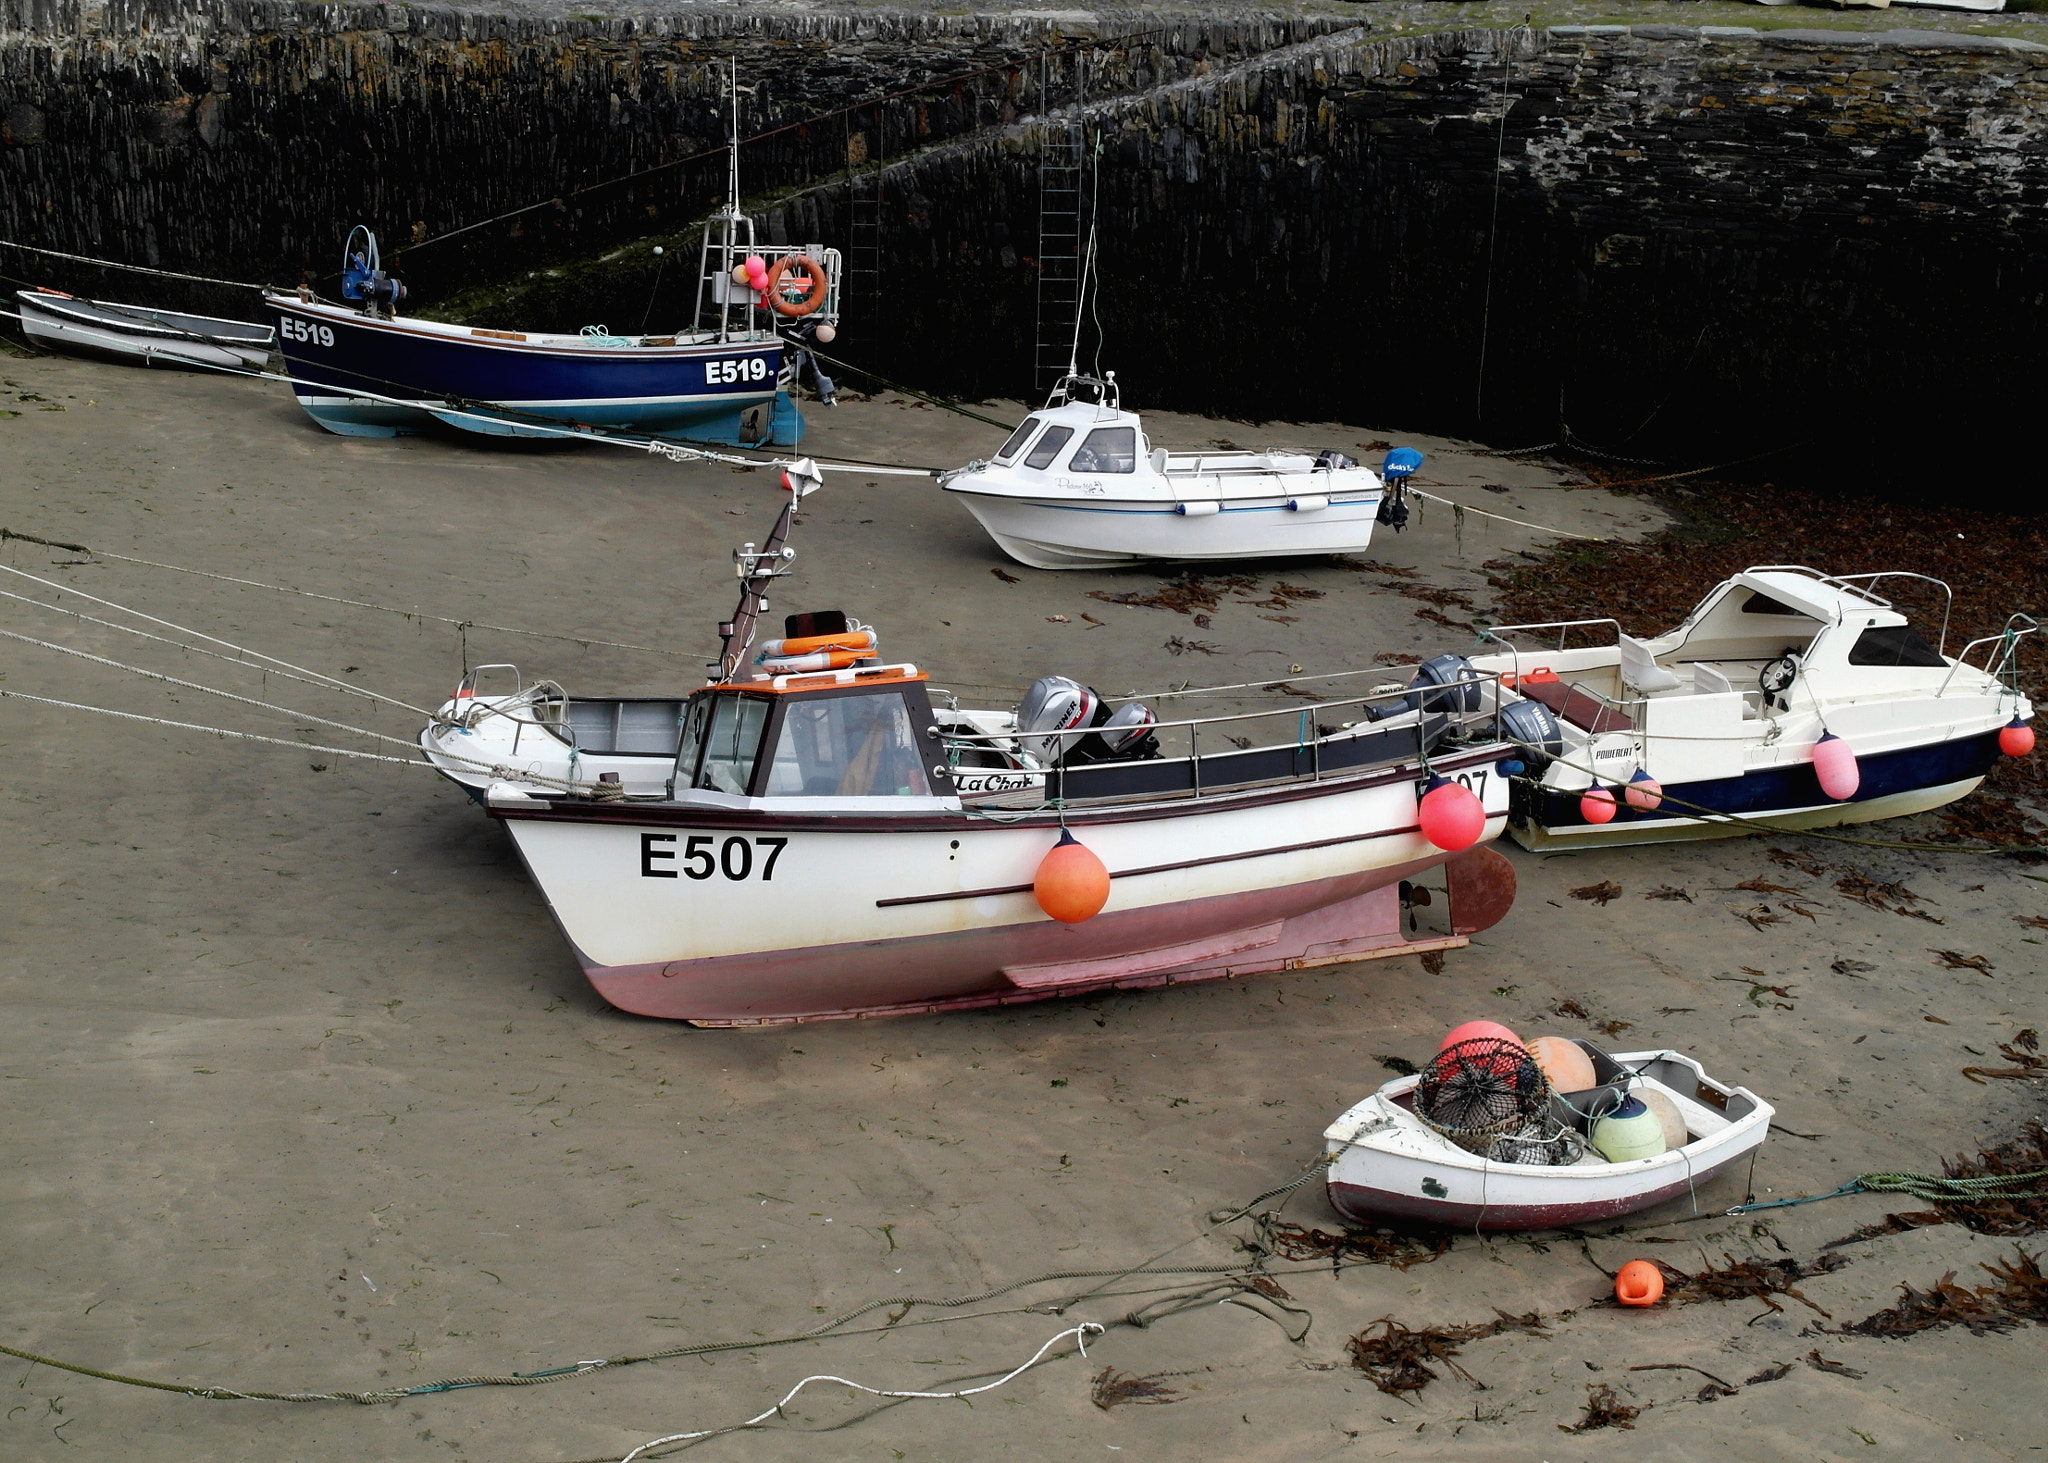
x=1481, y=1089
x=1543, y=1141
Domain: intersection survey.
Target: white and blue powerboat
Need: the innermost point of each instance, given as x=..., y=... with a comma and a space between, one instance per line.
x=1078, y=485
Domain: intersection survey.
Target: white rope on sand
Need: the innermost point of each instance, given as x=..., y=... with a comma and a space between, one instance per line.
x=1080, y=1333
x=1518, y=522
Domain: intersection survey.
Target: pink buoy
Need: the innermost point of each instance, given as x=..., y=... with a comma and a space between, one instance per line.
x=1473, y=1030
x=1834, y=761
x=755, y=264
x=1644, y=793
x=2016, y=738
x=1597, y=805
x=1451, y=815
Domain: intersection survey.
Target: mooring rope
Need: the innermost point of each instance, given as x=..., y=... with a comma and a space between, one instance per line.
x=210, y=690
x=360, y=604
x=330, y=681
x=238, y=284
x=498, y=770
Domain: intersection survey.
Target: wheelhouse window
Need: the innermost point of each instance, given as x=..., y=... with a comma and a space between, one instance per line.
x=1894, y=645
x=733, y=745
x=857, y=746
x=1107, y=449
x=691, y=744
x=1018, y=438
x=1048, y=447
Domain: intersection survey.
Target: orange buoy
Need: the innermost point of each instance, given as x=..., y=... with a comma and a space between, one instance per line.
x=2016, y=738
x=1072, y=884
x=1643, y=793
x=1597, y=806
x=1639, y=1283
x=1564, y=1062
x=1451, y=815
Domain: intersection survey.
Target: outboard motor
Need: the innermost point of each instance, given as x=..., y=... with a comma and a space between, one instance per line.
x=362, y=275
x=1400, y=465
x=1054, y=715
x=1128, y=732
x=1331, y=460
x=1443, y=683
x=1453, y=672
x=1531, y=724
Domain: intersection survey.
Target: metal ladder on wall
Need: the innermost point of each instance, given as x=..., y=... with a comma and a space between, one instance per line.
x=1061, y=154
x=864, y=218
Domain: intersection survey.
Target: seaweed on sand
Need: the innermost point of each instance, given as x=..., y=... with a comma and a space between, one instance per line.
x=1112, y=1387
x=1398, y=1357
x=2018, y=1294
x=1751, y=1279
x=1380, y=1245
x=1604, y=1408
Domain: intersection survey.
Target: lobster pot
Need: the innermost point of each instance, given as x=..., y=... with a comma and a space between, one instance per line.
x=1483, y=1089
x=1542, y=1142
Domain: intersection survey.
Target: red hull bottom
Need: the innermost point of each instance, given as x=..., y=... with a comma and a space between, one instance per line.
x=1355, y=1202
x=1355, y=917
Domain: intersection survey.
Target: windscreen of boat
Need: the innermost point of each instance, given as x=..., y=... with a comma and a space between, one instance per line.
x=733, y=744
x=1048, y=447
x=1897, y=645
x=854, y=746
x=1107, y=449
x=1018, y=438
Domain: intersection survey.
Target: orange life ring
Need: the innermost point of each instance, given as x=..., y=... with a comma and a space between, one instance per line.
x=814, y=278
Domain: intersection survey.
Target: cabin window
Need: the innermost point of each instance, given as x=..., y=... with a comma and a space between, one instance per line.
x=1107, y=449
x=860, y=746
x=1894, y=645
x=1763, y=604
x=1048, y=447
x=696, y=717
x=1018, y=438
x=733, y=744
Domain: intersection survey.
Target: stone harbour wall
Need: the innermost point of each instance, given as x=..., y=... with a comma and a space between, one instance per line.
x=1820, y=246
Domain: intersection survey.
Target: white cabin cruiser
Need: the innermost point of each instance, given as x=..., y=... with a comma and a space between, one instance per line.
x=1788, y=699
x=1078, y=485
x=808, y=836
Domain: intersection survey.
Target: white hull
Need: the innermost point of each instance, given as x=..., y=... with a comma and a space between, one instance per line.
x=1050, y=534
x=1387, y=1164
x=94, y=328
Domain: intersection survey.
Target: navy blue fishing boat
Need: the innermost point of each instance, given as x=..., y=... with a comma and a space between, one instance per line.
x=361, y=370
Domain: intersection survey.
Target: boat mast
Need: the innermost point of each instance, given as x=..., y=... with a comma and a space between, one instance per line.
x=756, y=567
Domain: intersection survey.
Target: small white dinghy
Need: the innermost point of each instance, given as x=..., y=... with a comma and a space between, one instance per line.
x=1078, y=486
x=61, y=322
x=1386, y=1163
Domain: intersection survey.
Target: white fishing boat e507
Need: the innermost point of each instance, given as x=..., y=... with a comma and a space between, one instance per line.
x=810, y=836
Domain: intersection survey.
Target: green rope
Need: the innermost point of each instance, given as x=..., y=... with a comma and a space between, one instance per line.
x=1934, y=1190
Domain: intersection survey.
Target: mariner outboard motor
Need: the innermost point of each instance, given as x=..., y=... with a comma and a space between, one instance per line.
x=1128, y=734
x=1054, y=715
x=1441, y=684
x=362, y=276
x=1400, y=465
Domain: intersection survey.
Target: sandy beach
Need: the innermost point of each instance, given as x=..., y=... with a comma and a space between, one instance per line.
x=305, y=1093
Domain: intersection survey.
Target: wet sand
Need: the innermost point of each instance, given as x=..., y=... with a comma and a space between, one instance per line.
x=304, y=1092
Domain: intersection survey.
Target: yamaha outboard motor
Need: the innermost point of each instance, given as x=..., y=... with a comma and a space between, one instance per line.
x=362, y=275
x=1455, y=674
x=1530, y=724
x=1054, y=716
x=1400, y=465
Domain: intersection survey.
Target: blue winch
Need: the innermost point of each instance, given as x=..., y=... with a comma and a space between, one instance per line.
x=362, y=275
